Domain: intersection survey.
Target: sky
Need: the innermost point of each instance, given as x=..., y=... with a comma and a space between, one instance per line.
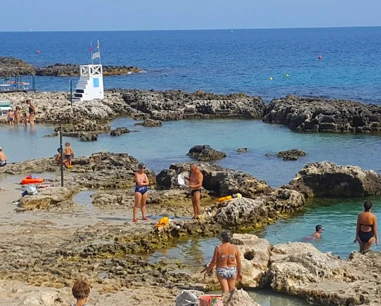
x=108, y=15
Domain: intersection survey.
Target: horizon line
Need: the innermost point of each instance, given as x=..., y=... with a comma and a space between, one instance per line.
x=211, y=29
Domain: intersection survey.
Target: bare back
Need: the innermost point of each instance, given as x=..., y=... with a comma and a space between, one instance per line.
x=226, y=255
x=366, y=221
x=3, y=157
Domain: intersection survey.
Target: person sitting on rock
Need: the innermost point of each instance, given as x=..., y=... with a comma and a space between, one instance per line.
x=227, y=260
x=81, y=291
x=366, y=229
x=319, y=229
x=68, y=153
x=58, y=158
x=3, y=158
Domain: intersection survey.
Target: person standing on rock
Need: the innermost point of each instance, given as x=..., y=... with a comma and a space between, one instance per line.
x=32, y=112
x=3, y=158
x=195, y=184
x=366, y=229
x=227, y=260
x=141, y=192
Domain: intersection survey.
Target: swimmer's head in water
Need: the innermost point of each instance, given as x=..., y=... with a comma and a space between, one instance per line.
x=226, y=236
x=367, y=205
x=141, y=166
x=319, y=228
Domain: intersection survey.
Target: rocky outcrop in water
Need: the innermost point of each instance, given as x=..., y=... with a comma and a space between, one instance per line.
x=150, y=123
x=176, y=105
x=238, y=298
x=73, y=70
x=55, y=108
x=326, y=179
x=322, y=115
x=220, y=180
x=10, y=67
x=243, y=212
x=291, y=154
x=205, y=153
x=119, y=131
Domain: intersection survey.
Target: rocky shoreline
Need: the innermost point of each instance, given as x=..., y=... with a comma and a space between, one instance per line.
x=11, y=67
x=113, y=255
x=297, y=113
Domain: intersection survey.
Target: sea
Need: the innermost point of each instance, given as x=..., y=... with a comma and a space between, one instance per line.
x=268, y=63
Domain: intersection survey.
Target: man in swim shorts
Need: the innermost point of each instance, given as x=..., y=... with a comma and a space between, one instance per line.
x=195, y=184
x=3, y=158
x=11, y=117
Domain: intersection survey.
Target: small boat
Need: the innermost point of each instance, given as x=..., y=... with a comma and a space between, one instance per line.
x=31, y=180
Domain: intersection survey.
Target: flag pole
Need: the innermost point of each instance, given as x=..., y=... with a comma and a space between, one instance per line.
x=91, y=52
x=99, y=50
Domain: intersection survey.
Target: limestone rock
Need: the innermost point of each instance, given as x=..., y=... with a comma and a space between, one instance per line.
x=88, y=137
x=47, y=197
x=238, y=298
x=205, y=153
x=328, y=179
x=255, y=257
x=220, y=180
x=291, y=154
x=176, y=105
x=150, y=123
x=119, y=131
x=10, y=66
x=242, y=150
x=324, y=115
x=261, y=210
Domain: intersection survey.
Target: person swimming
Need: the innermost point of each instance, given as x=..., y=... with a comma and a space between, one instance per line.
x=319, y=229
x=141, y=192
x=366, y=229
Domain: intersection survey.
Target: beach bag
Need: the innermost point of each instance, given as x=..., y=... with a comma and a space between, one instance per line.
x=211, y=300
x=31, y=189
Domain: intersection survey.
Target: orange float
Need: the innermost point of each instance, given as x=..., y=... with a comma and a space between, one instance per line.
x=32, y=180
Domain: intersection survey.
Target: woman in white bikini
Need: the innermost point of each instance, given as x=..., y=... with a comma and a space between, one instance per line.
x=227, y=260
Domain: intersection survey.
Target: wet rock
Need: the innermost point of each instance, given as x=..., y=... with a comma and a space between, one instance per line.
x=324, y=115
x=42, y=298
x=238, y=298
x=176, y=105
x=326, y=179
x=242, y=150
x=150, y=123
x=217, y=179
x=291, y=154
x=119, y=131
x=255, y=257
x=244, y=212
x=205, y=153
x=47, y=197
x=88, y=137
x=51, y=135
x=85, y=126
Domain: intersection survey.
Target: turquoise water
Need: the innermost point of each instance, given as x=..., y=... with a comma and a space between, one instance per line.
x=220, y=60
x=159, y=147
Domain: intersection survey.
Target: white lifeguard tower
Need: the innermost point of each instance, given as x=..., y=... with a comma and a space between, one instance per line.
x=90, y=84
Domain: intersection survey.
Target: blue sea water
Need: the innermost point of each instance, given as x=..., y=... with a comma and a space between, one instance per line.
x=222, y=61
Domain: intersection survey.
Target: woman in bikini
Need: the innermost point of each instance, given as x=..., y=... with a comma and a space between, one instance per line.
x=141, y=192
x=32, y=112
x=366, y=229
x=227, y=260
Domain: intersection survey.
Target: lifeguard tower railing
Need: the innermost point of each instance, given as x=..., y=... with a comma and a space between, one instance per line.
x=18, y=83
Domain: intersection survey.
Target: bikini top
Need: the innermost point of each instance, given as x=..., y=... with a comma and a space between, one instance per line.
x=142, y=179
x=225, y=256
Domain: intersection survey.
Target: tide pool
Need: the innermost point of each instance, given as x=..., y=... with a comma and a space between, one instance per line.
x=159, y=147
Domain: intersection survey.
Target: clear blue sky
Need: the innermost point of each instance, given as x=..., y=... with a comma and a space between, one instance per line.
x=77, y=15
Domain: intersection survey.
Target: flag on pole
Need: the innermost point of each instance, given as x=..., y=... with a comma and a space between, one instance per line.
x=96, y=55
x=98, y=45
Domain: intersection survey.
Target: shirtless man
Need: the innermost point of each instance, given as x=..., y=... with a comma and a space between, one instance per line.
x=319, y=229
x=195, y=184
x=3, y=158
x=366, y=229
x=11, y=117
x=32, y=111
